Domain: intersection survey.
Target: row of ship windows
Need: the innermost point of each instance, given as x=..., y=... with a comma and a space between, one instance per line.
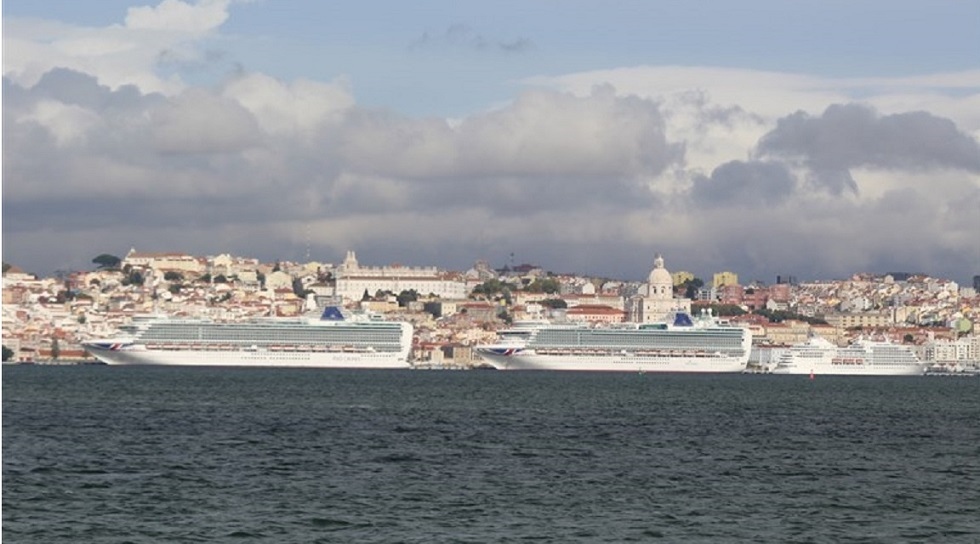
x=282, y=335
x=569, y=338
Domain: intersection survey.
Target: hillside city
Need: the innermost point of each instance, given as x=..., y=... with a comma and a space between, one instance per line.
x=47, y=319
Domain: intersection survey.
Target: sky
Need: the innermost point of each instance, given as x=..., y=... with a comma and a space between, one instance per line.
x=817, y=139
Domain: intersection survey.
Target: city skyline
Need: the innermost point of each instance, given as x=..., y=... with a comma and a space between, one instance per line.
x=816, y=139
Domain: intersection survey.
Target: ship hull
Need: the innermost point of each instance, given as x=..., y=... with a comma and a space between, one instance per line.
x=139, y=355
x=857, y=370
x=526, y=360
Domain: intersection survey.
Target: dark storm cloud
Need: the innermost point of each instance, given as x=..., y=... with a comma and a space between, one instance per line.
x=82, y=160
x=744, y=184
x=850, y=136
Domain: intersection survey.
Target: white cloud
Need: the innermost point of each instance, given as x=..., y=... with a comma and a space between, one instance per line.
x=178, y=16
x=120, y=54
x=285, y=108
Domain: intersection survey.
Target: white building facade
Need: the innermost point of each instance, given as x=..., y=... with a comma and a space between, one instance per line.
x=353, y=280
x=656, y=299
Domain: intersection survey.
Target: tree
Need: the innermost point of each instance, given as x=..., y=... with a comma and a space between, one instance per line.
x=173, y=275
x=133, y=278
x=300, y=290
x=6, y=267
x=489, y=288
x=407, y=296
x=691, y=287
x=7, y=353
x=107, y=262
x=554, y=303
x=544, y=285
x=55, y=349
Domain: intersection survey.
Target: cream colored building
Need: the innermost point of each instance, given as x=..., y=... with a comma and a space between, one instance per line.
x=656, y=299
x=864, y=320
x=164, y=261
x=353, y=280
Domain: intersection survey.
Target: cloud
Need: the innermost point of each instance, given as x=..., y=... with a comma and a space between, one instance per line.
x=847, y=136
x=178, y=16
x=131, y=53
x=746, y=184
x=594, y=172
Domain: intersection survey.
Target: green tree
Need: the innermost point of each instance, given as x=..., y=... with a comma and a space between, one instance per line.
x=106, y=261
x=554, y=303
x=690, y=288
x=544, y=285
x=7, y=353
x=489, y=288
x=726, y=309
x=6, y=267
x=173, y=275
x=407, y=296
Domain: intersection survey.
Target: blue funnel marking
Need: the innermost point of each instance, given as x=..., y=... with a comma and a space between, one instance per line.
x=683, y=320
x=332, y=313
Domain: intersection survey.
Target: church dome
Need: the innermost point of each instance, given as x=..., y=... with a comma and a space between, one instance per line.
x=659, y=275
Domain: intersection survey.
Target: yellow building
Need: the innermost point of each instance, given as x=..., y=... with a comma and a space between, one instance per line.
x=682, y=276
x=724, y=278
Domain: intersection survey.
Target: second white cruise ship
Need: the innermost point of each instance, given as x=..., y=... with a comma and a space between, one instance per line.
x=679, y=345
x=334, y=340
x=862, y=358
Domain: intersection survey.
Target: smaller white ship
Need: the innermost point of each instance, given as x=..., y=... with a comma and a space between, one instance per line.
x=862, y=358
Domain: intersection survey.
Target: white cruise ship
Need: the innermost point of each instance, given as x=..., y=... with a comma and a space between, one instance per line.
x=335, y=340
x=680, y=345
x=862, y=358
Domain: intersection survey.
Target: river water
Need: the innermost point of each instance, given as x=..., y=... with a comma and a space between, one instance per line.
x=164, y=454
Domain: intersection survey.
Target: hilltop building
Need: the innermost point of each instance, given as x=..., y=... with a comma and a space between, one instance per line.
x=164, y=261
x=353, y=280
x=656, y=300
x=722, y=279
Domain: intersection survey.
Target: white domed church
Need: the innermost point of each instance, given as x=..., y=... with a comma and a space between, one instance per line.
x=655, y=300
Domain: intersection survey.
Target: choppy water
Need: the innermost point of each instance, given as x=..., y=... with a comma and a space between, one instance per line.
x=126, y=454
